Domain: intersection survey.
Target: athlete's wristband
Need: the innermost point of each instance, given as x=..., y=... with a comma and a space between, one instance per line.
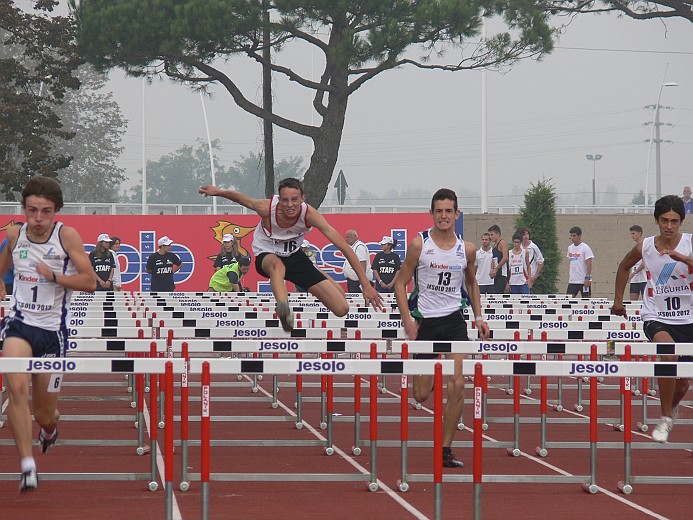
x=479, y=319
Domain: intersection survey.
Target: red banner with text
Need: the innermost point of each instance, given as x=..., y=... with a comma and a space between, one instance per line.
x=197, y=241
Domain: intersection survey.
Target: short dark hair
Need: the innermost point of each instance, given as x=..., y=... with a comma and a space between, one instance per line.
x=575, y=231
x=444, y=194
x=290, y=182
x=485, y=235
x=669, y=203
x=636, y=228
x=522, y=230
x=494, y=229
x=517, y=236
x=45, y=187
x=114, y=240
x=244, y=261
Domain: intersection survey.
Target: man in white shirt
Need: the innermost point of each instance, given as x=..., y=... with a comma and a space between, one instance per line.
x=484, y=258
x=580, y=256
x=638, y=276
x=364, y=256
x=536, y=259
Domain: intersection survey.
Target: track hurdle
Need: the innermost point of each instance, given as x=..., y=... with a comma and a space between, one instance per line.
x=316, y=367
x=108, y=366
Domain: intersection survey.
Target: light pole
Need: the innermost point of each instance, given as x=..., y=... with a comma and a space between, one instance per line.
x=654, y=136
x=594, y=159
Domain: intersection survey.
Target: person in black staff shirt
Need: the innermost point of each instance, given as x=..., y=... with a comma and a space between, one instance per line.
x=385, y=266
x=103, y=263
x=161, y=265
x=229, y=252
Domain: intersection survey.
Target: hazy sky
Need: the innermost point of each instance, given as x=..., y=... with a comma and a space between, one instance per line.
x=410, y=128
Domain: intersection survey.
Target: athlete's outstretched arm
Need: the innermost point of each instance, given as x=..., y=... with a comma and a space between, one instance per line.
x=260, y=206
x=314, y=218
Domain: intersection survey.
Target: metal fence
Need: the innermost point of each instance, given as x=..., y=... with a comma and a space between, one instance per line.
x=97, y=208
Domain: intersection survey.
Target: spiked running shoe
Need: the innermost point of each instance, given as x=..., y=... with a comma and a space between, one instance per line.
x=662, y=430
x=47, y=443
x=28, y=481
x=449, y=461
x=285, y=316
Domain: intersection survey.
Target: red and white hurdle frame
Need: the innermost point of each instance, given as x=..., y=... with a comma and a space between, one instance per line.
x=372, y=367
x=87, y=365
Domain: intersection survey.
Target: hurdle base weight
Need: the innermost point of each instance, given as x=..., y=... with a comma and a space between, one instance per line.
x=624, y=488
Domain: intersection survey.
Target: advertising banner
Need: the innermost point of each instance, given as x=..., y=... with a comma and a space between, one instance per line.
x=197, y=240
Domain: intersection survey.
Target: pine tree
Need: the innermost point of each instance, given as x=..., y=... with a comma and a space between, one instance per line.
x=539, y=215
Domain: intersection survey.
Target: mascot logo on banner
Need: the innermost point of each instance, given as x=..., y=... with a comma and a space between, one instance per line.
x=229, y=228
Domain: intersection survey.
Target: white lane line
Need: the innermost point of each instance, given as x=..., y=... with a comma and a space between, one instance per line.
x=161, y=467
x=396, y=496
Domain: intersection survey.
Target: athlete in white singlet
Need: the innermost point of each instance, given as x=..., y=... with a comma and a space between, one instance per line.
x=519, y=267
x=49, y=263
x=441, y=262
x=667, y=311
x=285, y=219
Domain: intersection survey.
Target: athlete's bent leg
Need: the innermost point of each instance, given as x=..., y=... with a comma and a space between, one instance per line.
x=44, y=402
x=455, y=404
x=422, y=387
x=276, y=270
x=331, y=296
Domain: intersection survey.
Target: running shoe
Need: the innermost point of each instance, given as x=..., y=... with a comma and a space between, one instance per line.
x=661, y=431
x=28, y=481
x=449, y=461
x=47, y=443
x=285, y=316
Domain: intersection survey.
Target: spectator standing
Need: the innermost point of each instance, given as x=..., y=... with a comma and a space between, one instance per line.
x=484, y=259
x=9, y=275
x=103, y=263
x=386, y=265
x=580, y=256
x=49, y=263
x=637, y=277
x=117, y=275
x=364, y=256
x=536, y=259
x=518, y=261
x=499, y=267
x=229, y=252
x=228, y=278
x=666, y=305
x=161, y=264
x=687, y=200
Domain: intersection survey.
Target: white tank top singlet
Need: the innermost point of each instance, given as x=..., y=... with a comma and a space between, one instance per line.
x=439, y=278
x=40, y=302
x=667, y=296
x=517, y=268
x=282, y=241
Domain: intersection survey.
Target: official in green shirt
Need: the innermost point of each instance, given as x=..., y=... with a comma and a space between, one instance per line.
x=228, y=278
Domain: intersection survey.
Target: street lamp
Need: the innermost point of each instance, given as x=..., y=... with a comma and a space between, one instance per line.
x=654, y=136
x=594, y=159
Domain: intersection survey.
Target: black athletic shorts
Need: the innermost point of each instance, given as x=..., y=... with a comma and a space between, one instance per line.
x=638, y=288
x=679, y=333
x=44, y=343
x=299, y=269
x=452, y=327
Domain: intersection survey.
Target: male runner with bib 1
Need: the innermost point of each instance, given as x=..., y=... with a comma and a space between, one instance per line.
x=49, y=263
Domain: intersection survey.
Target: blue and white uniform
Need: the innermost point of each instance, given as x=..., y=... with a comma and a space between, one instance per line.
x=40, y=305
x=439, y=279
x=667, y=297
x=40, y=302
